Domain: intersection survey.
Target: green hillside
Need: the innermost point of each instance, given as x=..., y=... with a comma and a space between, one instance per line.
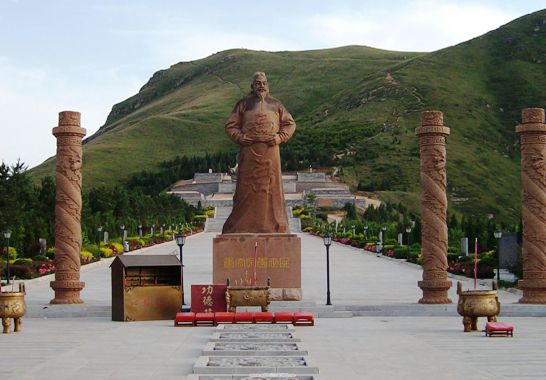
x=356, y=108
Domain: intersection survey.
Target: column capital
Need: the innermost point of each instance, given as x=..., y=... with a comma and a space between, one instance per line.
x=69, y=125
x=432, y=123
x=532, y=121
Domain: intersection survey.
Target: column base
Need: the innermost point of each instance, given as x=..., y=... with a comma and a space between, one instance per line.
x=67, y=292
x=534, y=291
x=434, y=291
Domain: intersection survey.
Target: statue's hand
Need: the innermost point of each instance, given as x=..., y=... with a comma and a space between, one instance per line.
x=245, y=140
x=275, y=140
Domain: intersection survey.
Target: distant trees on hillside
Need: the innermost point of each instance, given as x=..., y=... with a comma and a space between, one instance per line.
x=29, y=210
x=181, y=167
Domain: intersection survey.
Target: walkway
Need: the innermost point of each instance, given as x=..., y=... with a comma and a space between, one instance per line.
x=375, y=330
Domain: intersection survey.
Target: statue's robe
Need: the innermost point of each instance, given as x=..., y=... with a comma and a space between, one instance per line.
x=258, y=203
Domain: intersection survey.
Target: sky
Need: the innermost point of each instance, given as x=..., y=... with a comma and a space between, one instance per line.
x=86, y=56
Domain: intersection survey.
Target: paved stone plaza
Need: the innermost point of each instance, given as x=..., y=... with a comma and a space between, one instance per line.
x=374, y=330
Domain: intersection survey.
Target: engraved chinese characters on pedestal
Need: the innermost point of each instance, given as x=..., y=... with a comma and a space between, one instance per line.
x=68, y=205
x=432, y=139
x=532, y=132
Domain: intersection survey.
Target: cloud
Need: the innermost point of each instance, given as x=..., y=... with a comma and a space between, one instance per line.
x=194, y=41
x=415, y=26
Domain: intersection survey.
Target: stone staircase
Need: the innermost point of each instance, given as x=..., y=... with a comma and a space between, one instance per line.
x=254, y=351
x=222, y=213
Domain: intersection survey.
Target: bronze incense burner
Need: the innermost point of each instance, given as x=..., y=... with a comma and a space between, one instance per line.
x=12, y=305
x=477, y=303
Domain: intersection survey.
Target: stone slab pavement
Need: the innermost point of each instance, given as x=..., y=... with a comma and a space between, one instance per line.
x=374, y=330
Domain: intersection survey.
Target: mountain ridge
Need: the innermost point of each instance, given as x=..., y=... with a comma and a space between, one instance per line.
x=356, y=108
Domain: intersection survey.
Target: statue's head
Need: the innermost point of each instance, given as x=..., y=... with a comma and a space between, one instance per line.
x=259, y=85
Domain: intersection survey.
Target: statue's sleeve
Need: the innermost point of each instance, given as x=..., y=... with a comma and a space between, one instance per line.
x=234, y=124
x=287, y=125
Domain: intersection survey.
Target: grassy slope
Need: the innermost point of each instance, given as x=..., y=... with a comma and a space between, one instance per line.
x=357, y=99
x=182, y=110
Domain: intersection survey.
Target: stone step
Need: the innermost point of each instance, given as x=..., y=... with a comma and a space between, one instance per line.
x=262, y=376
x=222, y=212
x=319, y=311
x=254, y=364
x=295, y=225
x=216, y=225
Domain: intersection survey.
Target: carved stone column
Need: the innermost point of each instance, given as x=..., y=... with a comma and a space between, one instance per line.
x=68, y=205
x=532, y=132
x=432, y=140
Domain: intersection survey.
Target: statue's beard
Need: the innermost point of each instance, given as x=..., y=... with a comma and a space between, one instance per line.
x=261, y=94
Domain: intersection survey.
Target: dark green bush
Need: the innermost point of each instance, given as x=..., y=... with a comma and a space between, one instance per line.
x=40, y=258
x=412, y=257
x=23, y=272
x=489, y=261
x=401, y=252
x=452, y=257
x=22, y=261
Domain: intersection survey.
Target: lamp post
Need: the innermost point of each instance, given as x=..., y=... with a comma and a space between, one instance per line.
x=498, y=235
x=366, y=232
x=122, y=228
x=408, y=230
x=354, y=230
x=99, y=230
x=140, y=230
x=180, y=241
x=7, y=235
x=327, y=243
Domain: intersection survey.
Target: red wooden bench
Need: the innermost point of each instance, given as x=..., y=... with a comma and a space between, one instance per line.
x=244, y=317
x=184, y=319
x=499, y=328
x=204, y=319
x=224, y=317
x=263, y=317
x=304, y=319
x=283, y=317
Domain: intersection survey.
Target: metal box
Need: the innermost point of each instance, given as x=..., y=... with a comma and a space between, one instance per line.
x=146, y=287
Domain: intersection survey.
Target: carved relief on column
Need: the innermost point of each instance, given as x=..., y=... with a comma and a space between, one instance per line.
x=532, y=132
x=432, y=140
x=68, y=205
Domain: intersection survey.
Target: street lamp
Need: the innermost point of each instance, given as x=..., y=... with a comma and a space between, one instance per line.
x=180, y=241
x=140, y=230
x=99, y=230
x=122, y=228
x=366, y=232
x=328, y=243
x=498, y=235
x=7, y=235
x=383, y=237
x=354, y=230
x=408, y=230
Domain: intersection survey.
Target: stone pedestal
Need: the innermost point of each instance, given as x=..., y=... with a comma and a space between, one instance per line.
x=432, y=140
x=68, y=205
x=278, y=258
x=532, y=132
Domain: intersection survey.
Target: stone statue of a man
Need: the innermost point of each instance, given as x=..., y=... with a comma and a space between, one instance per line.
x=259, y=123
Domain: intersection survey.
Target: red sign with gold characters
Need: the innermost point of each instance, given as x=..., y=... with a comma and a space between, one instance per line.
x=208, y=298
